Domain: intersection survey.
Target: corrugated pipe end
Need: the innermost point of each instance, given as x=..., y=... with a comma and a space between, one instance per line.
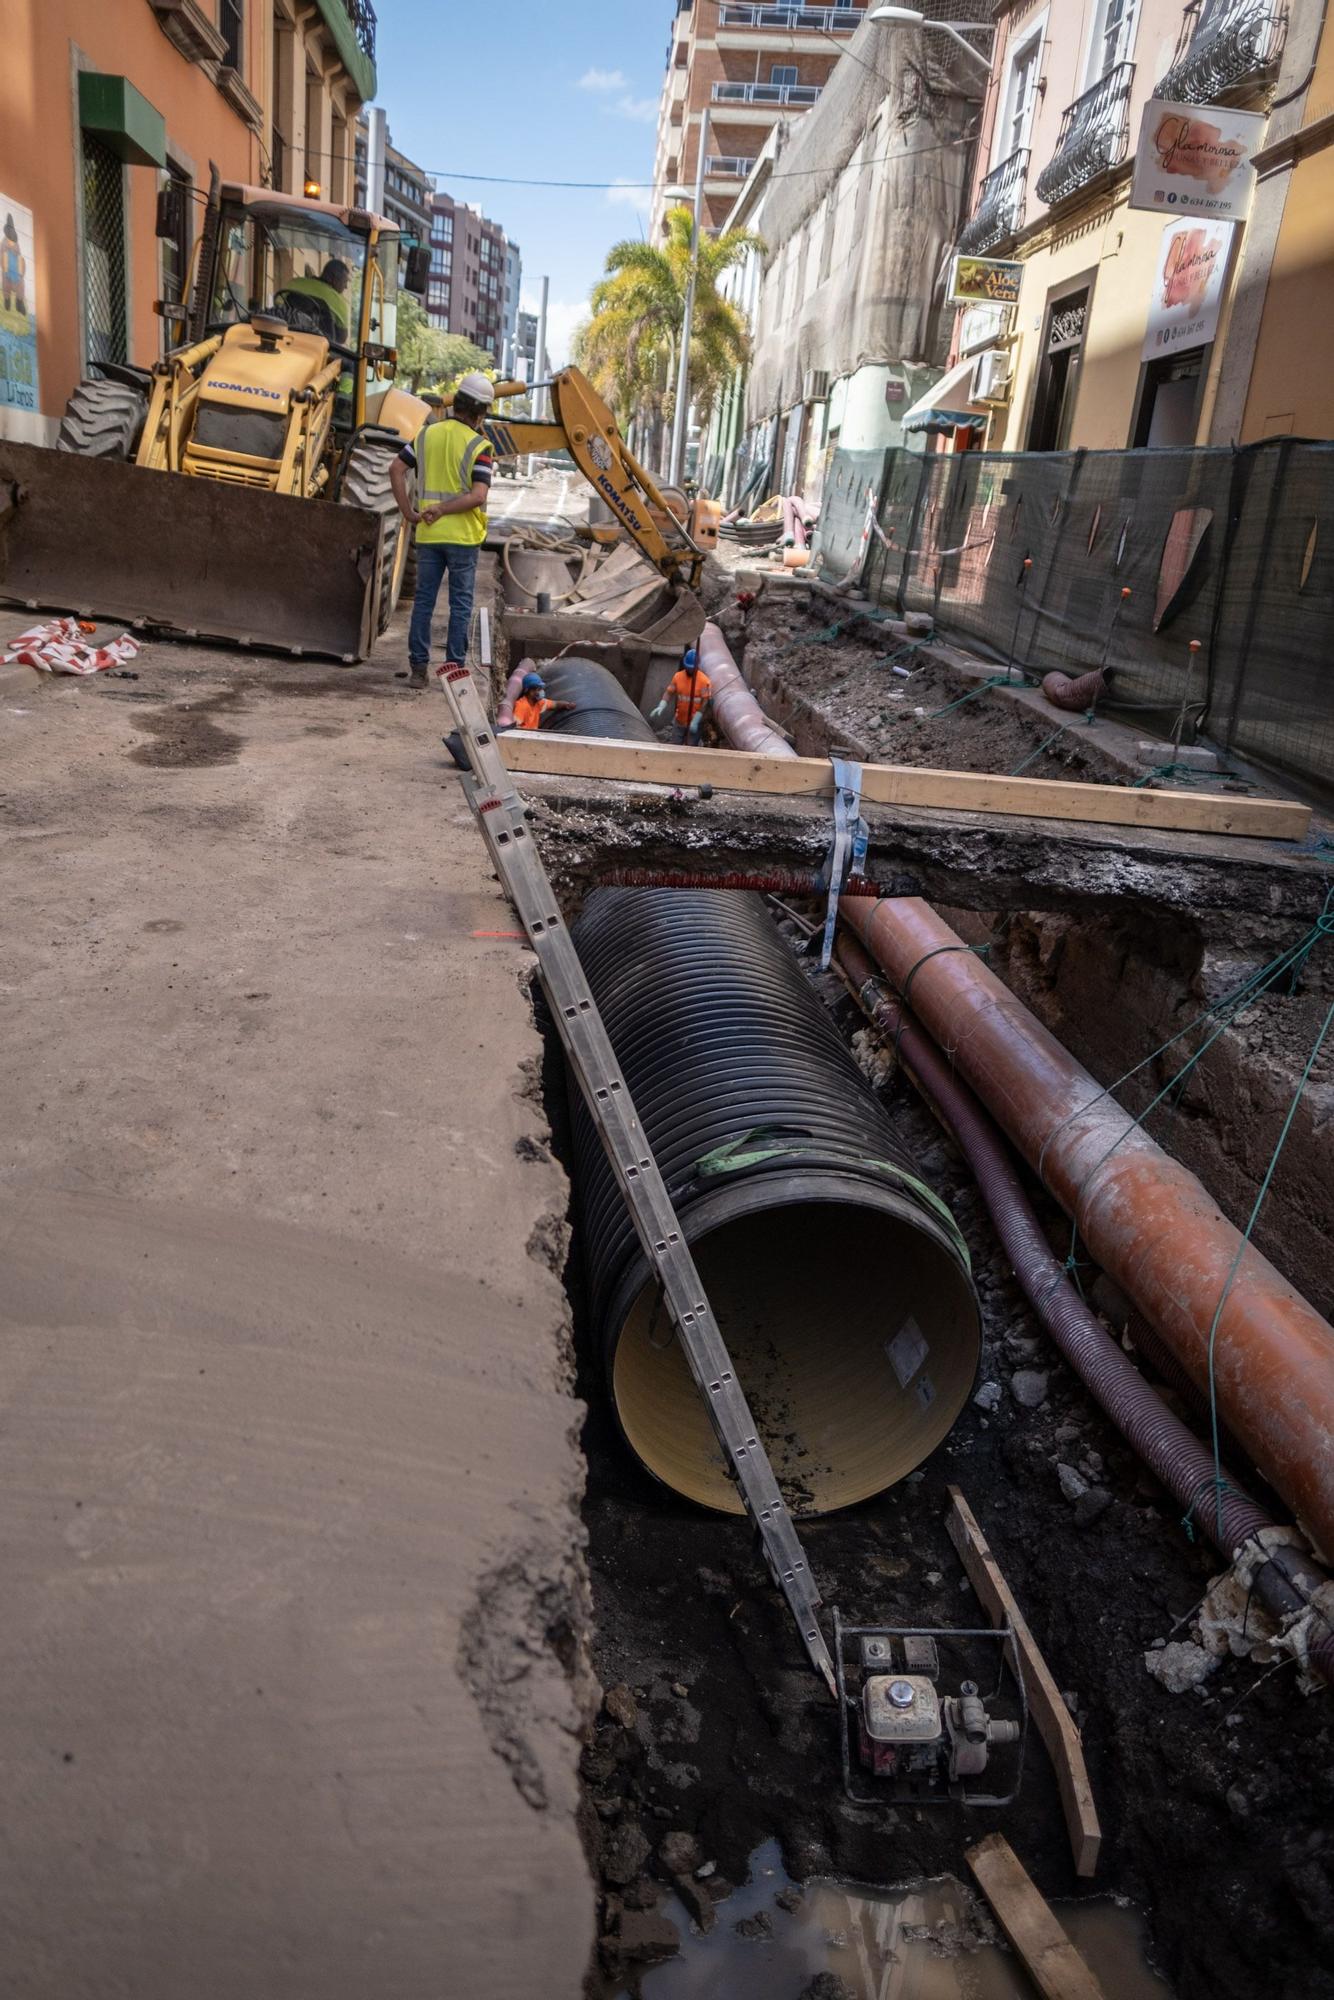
x=839, y=1281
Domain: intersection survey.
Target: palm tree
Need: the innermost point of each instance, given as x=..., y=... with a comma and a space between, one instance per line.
x=628, y=345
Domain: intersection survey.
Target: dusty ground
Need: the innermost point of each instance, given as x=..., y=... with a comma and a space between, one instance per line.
x=292, y=1652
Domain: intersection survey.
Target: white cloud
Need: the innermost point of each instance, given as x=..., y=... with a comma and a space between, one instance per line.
x=603, y=79
x=628, y=194
x=644, y=110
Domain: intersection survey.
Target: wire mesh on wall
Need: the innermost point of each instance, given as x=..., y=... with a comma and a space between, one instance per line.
x=104, y=286
x=1122, y=558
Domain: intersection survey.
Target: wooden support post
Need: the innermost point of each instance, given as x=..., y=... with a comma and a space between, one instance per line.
x=1053, y=1964
x=900, y=785
x=1055, y=1723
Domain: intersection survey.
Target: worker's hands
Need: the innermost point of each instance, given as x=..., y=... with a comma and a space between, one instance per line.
x=430, y=515
x=695, y=727
x=656, y=714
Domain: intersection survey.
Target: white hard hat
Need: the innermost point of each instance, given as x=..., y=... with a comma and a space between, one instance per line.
x=478, y=388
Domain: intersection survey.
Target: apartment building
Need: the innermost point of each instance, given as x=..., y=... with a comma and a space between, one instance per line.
x=408, y=188
x=748, y=65
x=1127, y=287
x=110, y=102
x=469, y=287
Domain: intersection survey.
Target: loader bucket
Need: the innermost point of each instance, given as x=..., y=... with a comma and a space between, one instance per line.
x=192, y=557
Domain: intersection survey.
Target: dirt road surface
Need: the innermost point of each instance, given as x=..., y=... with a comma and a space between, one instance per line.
x=289, y=1545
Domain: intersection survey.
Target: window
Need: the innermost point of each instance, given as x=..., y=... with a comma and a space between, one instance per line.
x=1021, y=87
x=783, y=73
x=104, y=276
x=230, y=14
x=1113, y=38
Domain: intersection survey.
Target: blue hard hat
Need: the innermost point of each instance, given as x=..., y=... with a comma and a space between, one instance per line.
x=531, y=682
x=689, y=657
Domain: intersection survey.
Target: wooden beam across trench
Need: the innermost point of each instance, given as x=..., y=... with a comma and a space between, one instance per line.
x=561, y=756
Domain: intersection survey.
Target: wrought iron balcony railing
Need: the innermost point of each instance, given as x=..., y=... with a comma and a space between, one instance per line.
x=821, y=20
x=1094, y=134
x=726, y=167
x=1000, y=206
x=362, y=16
x=1234, y=41
x=765, y=93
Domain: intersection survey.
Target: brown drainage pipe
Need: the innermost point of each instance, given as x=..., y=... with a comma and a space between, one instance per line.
x=1145, y=1218
x=1172, y=1452
x=1076, y=694
x=735, y=708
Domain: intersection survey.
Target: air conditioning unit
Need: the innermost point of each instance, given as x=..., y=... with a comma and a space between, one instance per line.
x=815, y=387
x=991, y=376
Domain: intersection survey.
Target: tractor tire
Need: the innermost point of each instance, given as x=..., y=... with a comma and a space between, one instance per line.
x=103, y=420
x=366, y=484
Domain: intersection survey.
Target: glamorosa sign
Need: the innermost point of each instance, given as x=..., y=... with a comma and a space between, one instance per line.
x=1188, y=287
x=1196, y=160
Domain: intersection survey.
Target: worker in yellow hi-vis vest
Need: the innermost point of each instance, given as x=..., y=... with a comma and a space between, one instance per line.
x=453, y=462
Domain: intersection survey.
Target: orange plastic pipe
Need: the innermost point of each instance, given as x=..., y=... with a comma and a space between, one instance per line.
x=1145, y=1218
x=735, y=708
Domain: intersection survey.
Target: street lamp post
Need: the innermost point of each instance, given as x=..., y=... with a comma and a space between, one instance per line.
x=676, y=457
x=912, y=17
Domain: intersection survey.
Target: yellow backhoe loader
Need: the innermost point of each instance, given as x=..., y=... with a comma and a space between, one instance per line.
x=275, y=422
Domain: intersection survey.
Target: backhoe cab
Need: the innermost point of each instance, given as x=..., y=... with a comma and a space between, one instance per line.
x=280, y=390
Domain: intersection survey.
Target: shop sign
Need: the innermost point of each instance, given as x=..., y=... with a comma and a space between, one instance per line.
x=1196, y=159
x=981, y=326
x=985, y=279
x=1187, y=287
x=18, y=316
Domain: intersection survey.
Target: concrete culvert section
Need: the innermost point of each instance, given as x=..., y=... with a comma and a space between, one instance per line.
x=839, y=1282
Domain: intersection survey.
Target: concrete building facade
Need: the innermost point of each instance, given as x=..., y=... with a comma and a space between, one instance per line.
x=108, y=102
x=470, y=289
x=1073, y=363
x=408, y=188
x=750, y=65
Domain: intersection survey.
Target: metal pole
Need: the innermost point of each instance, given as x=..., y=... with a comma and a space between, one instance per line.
x=676, y=460
x=375, y=144
x=539, y=354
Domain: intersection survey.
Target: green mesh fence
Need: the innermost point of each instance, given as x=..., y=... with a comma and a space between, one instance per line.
x=1122, y=558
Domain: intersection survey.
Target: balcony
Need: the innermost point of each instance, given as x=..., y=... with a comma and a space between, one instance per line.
x=1094, y=135
x=819, y=20
x=1233, y=42
x=766, y=93
x=362, y=16
x=1000, y=207
x=726, y=167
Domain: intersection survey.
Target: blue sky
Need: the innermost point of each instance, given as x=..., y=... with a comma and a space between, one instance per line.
x=537, y=90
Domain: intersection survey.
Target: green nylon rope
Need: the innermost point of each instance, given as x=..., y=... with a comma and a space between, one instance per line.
x=1258, y=1203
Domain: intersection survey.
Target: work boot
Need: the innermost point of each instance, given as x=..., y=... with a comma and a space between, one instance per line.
x=417, y=678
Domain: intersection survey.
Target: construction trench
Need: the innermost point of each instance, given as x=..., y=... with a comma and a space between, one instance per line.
x=843, y=1233
x=713, y=1808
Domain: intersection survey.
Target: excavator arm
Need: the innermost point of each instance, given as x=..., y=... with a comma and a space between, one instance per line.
x=586, y=428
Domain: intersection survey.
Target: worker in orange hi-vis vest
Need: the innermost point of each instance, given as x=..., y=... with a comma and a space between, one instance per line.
x=533, y=704
x=690, y=688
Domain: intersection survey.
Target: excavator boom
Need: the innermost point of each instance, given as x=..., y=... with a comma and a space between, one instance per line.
x=586, y=428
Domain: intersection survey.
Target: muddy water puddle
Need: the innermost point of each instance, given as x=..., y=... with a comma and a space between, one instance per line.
x=926, y=1941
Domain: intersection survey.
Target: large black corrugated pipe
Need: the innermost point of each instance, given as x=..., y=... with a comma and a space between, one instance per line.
x=1173, y=1453
x=602, y=706
x=839, y=1281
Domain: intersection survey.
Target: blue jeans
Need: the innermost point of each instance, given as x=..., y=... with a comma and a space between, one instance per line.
x=435, y=561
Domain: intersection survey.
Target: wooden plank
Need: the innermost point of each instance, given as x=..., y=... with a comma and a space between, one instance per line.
x=1053, y=1964
x=899, y=785
x=1054, y=1721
